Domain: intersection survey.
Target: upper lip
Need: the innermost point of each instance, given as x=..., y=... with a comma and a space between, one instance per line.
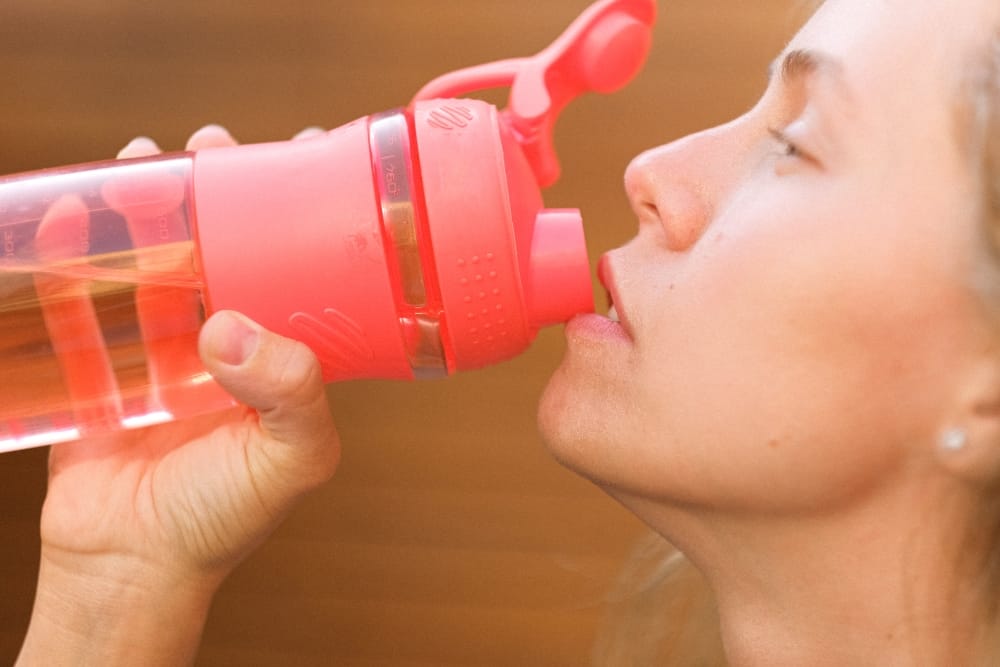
x=605, y=275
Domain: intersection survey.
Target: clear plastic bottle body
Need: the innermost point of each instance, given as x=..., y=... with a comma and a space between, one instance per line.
x=100, y=302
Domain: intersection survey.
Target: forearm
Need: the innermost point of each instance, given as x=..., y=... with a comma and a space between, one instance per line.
x=122, y=615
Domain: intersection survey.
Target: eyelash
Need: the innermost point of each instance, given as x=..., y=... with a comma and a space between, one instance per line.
x=790, y=148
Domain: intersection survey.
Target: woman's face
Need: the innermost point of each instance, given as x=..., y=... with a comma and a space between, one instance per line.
x=795, y=308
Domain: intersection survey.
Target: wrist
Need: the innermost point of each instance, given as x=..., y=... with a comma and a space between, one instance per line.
x=113, y=610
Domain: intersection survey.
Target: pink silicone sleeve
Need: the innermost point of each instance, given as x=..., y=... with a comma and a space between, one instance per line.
x=289, y=234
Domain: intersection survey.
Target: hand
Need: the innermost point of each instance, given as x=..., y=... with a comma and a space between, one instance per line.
x=167, y=512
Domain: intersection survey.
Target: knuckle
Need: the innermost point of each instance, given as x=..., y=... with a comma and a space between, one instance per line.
x=298, y=377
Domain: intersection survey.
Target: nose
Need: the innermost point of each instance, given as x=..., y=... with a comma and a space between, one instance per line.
x=676, y=187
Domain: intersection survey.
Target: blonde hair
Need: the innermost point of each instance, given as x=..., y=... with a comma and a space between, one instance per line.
x=985, y=113
x=988, y=112
x=663, y=611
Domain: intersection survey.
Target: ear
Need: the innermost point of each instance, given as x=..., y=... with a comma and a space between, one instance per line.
x=968, y=443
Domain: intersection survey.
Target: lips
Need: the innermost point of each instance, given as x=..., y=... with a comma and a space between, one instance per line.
x=616, y=311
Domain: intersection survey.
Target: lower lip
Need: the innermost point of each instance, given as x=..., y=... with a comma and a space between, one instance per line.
x=596, y=327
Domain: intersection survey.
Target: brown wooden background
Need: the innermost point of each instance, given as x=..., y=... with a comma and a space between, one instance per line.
x=449, y=536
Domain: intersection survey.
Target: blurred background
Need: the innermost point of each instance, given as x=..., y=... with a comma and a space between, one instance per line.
x=449, y=536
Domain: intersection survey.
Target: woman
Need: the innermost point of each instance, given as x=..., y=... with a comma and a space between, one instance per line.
x=800, y=388
x=803, y=393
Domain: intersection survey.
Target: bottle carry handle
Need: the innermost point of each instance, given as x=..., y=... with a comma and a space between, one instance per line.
x=601, y=51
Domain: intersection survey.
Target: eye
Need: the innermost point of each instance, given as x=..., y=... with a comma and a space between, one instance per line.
x=788, y=148
x=789, y=157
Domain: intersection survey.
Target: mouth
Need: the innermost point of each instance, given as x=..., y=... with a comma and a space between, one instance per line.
x=605, y=276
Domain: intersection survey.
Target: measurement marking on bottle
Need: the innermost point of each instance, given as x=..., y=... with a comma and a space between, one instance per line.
x=8, y=243
x=85, y=238
x=163, y=228
x=391, y=184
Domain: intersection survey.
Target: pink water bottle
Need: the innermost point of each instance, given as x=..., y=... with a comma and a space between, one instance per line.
x=407, y=244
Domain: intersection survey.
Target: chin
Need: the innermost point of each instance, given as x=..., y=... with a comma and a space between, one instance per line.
x=575, y=422
x=552, y=413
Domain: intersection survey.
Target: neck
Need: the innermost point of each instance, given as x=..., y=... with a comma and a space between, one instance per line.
x=860, y=597
x=884, y=581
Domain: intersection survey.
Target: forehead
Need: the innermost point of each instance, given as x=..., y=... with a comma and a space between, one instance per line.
x=894, y=46
x=906, y=62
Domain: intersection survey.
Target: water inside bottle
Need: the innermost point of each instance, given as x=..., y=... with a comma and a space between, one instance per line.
x=100, y=302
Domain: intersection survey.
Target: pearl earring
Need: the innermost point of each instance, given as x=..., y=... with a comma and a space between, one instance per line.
x=954, y=440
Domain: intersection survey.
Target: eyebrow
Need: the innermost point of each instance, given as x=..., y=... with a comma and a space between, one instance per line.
x=799, y=65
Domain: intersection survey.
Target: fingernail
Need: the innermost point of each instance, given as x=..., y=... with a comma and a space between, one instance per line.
x=309, y=133
x=232, y=339
x=214, y=135
x=217, y=128
x=140, y=147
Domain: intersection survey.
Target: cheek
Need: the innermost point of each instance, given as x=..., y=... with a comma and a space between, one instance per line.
x=795, y=370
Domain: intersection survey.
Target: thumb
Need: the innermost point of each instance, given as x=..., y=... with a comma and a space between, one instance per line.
x=281, y=379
